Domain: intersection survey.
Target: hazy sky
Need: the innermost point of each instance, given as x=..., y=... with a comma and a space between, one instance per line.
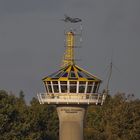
x=32, y=40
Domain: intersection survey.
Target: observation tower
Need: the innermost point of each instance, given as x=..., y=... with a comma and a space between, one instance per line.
x=72, y=89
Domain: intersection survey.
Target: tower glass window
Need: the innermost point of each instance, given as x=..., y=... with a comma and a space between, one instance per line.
x=55, y=86
x=89, y=87
x=82, y=86
x=48, y=84
x=73, y=85
x=63, y=85
x=50, y=88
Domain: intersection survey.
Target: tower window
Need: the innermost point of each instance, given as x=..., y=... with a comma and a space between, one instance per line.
x=55, y=86
x=82, y=86
x=89, y=87
x=63, y=85
x=46, y=87
x=73, y=86
x=50, y=88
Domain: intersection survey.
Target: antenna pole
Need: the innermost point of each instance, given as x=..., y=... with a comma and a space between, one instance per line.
x=81, y=31
x=110, y=73
x=68, y=58
x=69, y=53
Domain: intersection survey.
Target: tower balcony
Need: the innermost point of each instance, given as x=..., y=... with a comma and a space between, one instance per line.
x=72, y=98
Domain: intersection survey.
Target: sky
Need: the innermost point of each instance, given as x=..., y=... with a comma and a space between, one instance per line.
x=32, y=42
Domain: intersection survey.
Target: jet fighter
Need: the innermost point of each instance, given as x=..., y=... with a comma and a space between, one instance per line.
x=72, y=20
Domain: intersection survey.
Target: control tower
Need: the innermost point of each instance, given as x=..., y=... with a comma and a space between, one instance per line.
x=72, y=89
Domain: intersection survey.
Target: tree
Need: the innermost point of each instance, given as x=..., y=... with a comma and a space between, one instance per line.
x=117, y=119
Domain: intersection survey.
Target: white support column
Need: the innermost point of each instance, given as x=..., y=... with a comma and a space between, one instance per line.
x=98, y=99
x=52, y=87
x=47, y=86
x=59, y=87
x=68, y=87
x=41, y=100
x=48, y=89
x=103, y=98
x=77, y=88
x=86, y=87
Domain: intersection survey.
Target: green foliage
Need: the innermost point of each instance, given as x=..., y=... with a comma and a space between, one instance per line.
x=19, y=121
x=117, y=119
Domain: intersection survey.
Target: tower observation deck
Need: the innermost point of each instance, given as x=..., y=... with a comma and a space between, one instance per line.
x=71, y=89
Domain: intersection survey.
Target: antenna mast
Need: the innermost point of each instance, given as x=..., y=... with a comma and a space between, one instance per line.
x=68, y=58
x=108, y=81
x=69, y=53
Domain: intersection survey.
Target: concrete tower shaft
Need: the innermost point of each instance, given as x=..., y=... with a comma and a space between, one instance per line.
x=71, y=120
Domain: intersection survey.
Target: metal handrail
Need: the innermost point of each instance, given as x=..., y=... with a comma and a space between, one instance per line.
x=92, y=99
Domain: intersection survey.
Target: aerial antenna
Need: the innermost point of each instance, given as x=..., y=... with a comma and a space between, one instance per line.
x=109, y=77
x=81, y=32
x=110, y=72
x=70, y=39
x=106, y=90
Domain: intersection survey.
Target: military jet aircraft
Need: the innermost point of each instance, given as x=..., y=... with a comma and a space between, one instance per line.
x=72, y=20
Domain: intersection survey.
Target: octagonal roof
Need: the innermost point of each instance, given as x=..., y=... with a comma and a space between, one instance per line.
x=71, y=72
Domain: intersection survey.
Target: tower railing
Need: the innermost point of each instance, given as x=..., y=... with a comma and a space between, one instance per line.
x=71, y=98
